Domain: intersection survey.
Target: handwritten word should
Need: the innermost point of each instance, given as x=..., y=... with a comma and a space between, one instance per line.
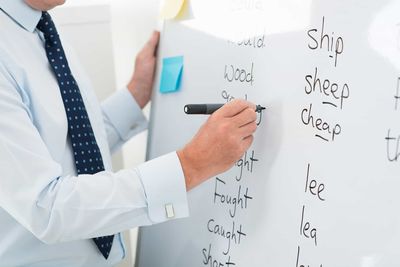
x=247, y=5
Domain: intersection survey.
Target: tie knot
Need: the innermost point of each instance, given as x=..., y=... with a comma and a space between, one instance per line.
x=46, y=25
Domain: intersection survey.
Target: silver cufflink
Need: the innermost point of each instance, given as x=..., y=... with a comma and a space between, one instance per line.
x=169, y=210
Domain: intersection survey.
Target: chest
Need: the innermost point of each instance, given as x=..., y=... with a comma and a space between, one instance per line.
x=42, y=95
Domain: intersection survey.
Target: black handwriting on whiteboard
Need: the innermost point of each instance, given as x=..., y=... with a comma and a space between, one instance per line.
x=335, y=93
x=240, y=200
x=325, y=130
x=392, y=147
x=397, y=95
x=322, y=40
x=239, y=74
x=298, y=264
x=208, y=259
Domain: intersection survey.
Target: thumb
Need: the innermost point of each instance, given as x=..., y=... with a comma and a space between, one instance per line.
x=152, y=43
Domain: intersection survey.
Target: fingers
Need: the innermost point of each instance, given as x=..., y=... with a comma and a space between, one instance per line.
x=246, y=116
x=235, y=107
x=248, y=129
x=152, y=43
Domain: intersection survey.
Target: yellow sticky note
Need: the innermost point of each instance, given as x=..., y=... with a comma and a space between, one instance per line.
x=171, y=8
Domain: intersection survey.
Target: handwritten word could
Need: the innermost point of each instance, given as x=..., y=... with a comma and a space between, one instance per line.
x=257, y=41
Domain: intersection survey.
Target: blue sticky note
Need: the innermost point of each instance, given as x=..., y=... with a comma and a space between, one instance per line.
x=171, y=74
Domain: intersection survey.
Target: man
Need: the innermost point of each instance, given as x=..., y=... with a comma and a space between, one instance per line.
x=60, y=203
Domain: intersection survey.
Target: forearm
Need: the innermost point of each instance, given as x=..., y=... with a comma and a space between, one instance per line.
x=123, y=118
x=71, y=208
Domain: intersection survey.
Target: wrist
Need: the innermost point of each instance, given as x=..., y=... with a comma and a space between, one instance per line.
x=190, y=171
x=139, y=97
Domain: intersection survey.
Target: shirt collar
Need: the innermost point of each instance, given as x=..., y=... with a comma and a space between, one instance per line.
x=21, y=13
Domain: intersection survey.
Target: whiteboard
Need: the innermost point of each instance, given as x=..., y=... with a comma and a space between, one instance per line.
x=320, y=186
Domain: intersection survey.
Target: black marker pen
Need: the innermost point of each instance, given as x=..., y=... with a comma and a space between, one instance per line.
x=208, y=109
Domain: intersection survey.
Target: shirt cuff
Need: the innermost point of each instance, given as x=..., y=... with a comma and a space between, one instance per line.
x=124, y=114
x=165, y=188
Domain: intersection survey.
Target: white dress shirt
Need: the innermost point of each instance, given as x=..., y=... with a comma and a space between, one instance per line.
x=48, y=214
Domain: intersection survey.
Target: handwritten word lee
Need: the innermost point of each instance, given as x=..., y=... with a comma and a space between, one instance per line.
x=312, y=186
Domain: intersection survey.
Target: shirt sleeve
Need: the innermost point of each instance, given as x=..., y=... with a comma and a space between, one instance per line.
x=56, y=207
x=123, y=118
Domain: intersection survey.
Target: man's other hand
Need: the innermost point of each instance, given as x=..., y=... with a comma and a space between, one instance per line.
x=219, y=143
x=142, y=80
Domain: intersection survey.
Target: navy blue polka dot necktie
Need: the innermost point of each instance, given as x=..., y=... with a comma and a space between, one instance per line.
x=87, y=154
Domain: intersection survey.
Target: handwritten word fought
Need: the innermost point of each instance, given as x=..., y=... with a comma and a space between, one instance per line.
x=236, y=201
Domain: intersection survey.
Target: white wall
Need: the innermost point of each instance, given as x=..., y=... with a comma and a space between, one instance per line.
x=132, y=24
